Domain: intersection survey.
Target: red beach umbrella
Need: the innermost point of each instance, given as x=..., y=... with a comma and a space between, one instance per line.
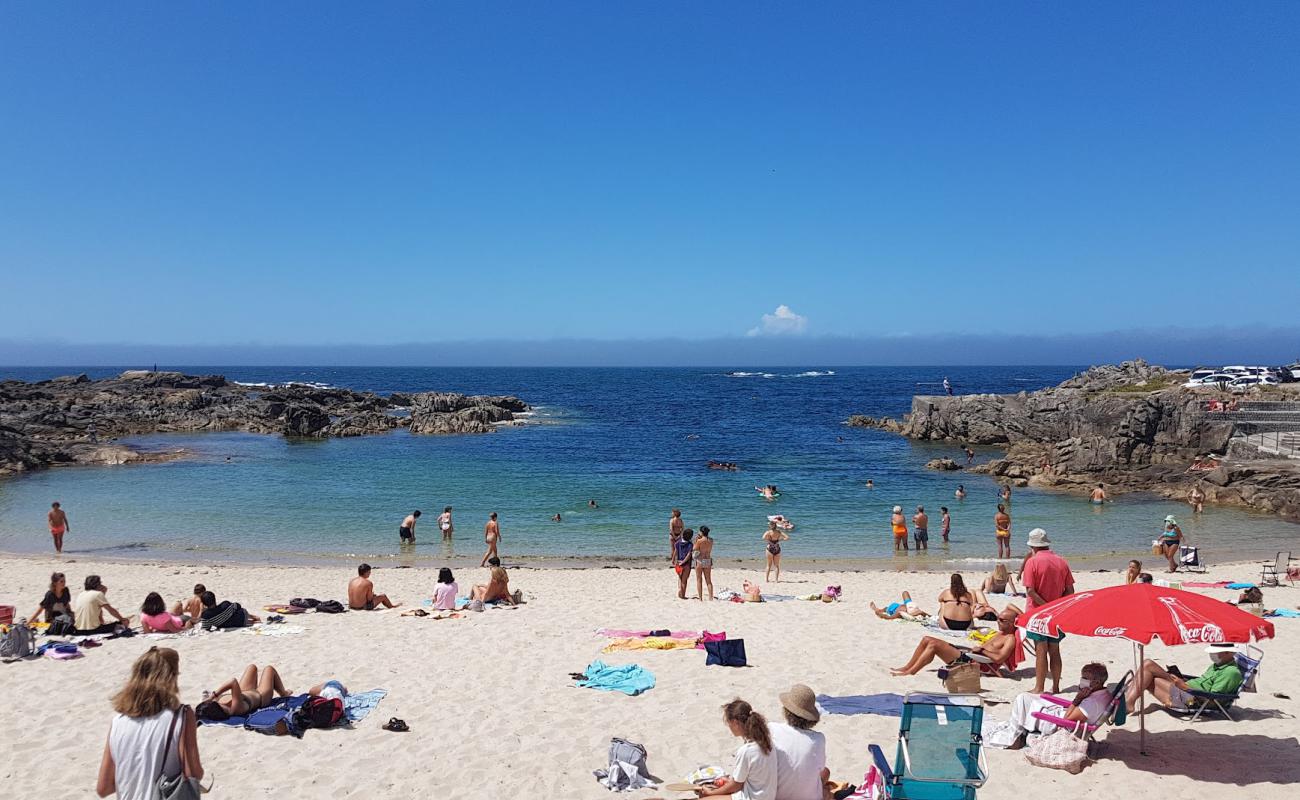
x=1140, y=612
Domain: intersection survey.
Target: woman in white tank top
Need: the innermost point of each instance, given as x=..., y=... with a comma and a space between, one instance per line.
x=149, y=712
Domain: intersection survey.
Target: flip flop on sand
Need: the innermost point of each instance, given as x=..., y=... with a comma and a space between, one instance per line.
x=396, y=725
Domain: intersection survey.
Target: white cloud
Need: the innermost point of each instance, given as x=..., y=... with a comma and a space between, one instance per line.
x=781, y=322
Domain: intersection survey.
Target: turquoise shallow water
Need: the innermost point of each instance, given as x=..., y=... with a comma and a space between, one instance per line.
x=635, y=440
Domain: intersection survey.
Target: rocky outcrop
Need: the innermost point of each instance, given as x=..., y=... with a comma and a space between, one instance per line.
x=1131, y=427
x=942, y=464
x=74, y=420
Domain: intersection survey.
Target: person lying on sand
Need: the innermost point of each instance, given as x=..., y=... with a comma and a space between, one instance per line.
x=904, y=609
x=224, y=614
x=498, y=585
x=998, y=649
x=241, y=696
x=985, y=611
x=361, y=593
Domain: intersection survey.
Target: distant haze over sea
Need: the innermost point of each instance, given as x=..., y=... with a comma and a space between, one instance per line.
x=1171, y=347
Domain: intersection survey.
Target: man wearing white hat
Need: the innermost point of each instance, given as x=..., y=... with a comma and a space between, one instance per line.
x=1046, y=577
x=1174, y=689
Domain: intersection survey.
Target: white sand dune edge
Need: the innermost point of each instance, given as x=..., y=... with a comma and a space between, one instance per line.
x=493, y=714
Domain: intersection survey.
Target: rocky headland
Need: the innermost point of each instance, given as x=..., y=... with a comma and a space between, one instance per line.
x=75, y=420
x=1131, y=427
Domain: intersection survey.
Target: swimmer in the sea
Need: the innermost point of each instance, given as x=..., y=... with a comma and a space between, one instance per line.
x=1099, y=495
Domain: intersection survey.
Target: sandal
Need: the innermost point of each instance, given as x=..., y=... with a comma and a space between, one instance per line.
x=396, y=725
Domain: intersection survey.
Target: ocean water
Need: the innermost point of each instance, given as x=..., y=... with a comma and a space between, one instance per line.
x=634, y=440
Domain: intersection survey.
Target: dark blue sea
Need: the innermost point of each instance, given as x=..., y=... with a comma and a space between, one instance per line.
x=634, y=440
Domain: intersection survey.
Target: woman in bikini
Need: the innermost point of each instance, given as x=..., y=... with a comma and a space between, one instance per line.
x=773, y=538
x=247, y=694
x=956, y=605
x=999, y=582
x=703, y=558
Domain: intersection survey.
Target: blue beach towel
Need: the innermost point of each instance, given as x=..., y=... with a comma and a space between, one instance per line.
x=1240, y=586
x=284, y=704
x=1283, y=612
x=357, y=706
x=629, y=679
x=886, y=704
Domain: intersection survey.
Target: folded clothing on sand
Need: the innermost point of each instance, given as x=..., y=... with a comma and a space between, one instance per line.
x=630, y=679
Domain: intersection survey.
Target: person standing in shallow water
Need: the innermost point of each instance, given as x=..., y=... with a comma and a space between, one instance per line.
x=58, y=525
x=445, y=524
x=921, y=528
x=898, y=523
x=491, y=536
x=406, y=533
x=1002, y=531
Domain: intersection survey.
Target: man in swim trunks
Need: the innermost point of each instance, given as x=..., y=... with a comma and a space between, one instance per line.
x=899, y=524
x=921, y=528
x=361, y=592
x=406, y=533
x=58, y=525
x=491, y=535
x=1098, y=495
x=1002, y=531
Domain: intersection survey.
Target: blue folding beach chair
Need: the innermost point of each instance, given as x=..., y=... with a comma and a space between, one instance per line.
x=940, y=752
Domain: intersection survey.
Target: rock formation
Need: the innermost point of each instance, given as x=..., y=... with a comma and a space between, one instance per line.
x=76, y=420
x=1131, y=427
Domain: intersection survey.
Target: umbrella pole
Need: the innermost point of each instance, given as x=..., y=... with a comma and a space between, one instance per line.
x=1142, y=704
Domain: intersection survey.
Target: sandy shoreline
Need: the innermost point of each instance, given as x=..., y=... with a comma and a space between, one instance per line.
x=493, y=713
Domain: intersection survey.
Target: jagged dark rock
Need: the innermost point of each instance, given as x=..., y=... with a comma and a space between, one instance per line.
x=942, y=464
x=50, y=422
x=1132, y=427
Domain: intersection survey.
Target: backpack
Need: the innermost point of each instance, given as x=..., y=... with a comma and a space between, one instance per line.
x=17, y=643
x=329, y=607
x=319, y=712
x=304, y=602
x=627, y=768
x=61, y=626
x=726, y=653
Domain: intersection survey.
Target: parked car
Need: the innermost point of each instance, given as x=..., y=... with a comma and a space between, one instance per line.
x=1213, y=379
x=1252, y=381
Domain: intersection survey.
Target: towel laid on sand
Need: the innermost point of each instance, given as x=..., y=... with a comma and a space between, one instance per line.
x=630, y=679
x=356, y=706
x=617, y=633
x=1207, y=585
x=1283, y=612
x=886, y=704
x=653, y=643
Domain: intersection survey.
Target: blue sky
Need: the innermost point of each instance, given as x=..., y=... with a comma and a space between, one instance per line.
x=317, y=173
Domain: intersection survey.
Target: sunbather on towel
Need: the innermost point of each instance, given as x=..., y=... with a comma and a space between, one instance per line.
x=247, y=693
x=1088, y=705
x=985, y=611
x=998, y=649
x=905, y=608
x=361, y=592
x=498, y=585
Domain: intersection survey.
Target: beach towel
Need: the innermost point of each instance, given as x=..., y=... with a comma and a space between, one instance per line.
x=648, y=644
x=706, y=637
x=284, y=704
x=1240, y=586
x=885, y=704
x=262, y=629
x=1205, y=585
x=356, y=706
x=1283, y=612
x=630, y=679
x=616, y=633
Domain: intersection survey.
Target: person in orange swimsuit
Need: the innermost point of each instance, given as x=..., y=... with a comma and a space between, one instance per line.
x=899, y=524
x=1002, y=531
x=58, y=525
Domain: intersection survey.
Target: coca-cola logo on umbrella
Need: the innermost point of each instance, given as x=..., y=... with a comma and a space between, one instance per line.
x=1194, y=628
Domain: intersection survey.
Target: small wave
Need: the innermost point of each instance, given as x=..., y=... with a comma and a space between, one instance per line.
x=814, y=374
x=809, y=374
x=265, y=385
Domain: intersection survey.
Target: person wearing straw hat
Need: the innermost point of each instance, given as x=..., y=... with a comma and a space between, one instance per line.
x=1046, y=577
x=1171, y=540
x=1174, y=689
x=801, y=772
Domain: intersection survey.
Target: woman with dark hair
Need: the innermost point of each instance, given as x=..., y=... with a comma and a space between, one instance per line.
x=57, y=601
x=248, y=692
x=753, y=776
x=88, y=610
x=956, y=605
x=444, y=594
x=153, y=735
x=155, y=617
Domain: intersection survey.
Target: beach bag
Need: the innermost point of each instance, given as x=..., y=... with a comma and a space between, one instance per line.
x=17, y=643
x=179, y=787
x=1156, y=549
x=329, y=607
x=627, y=769
x=304, y=602
x=272, y=721
x=61, y=626
x=963, y=678
x=7, y=614
x=726, y=653
x=319, y=712
x=476, y=605
x=1059, y=749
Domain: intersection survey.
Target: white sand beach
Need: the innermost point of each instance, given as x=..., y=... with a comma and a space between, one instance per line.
x=493, y=713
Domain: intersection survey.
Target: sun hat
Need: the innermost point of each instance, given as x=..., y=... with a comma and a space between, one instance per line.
x=1038, y=538
x=898, y=509
x=1221, y=647
x=801, y=702
x=1170, y=518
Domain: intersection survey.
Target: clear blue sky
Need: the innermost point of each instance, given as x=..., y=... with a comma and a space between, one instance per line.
x=306, y=173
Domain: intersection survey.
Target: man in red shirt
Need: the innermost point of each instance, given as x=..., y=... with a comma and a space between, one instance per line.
x=1046, y=577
